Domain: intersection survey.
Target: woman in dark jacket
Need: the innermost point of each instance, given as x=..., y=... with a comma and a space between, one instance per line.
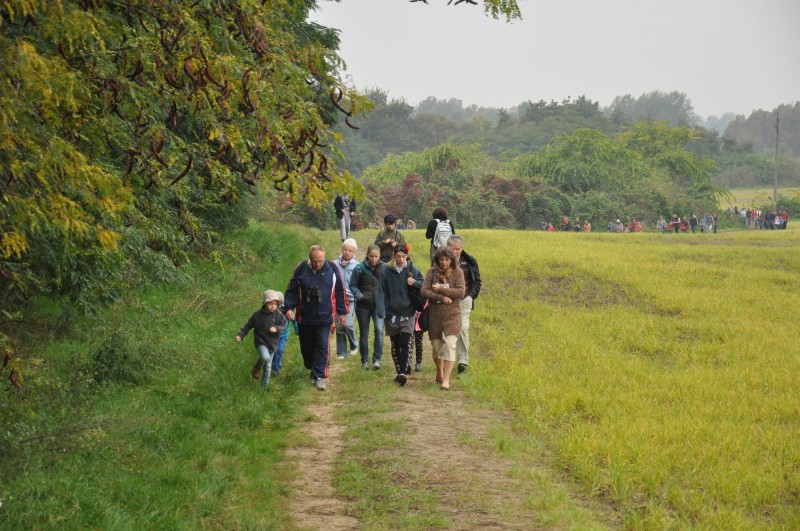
x=439, y=215
x=365, y=285
x=444, y=288
x=399, y=274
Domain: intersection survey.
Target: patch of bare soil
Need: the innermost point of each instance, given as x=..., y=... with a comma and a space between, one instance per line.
x=316, y=506
x=452, y=444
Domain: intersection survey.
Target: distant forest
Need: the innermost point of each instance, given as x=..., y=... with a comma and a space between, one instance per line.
x=641, y=156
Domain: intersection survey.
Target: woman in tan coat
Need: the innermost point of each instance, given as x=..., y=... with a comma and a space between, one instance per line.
x=444, y=288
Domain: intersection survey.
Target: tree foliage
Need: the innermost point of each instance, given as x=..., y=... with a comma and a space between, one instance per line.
x=135, y=129
x=674, y=107
x=644, y=172
x=758, y=130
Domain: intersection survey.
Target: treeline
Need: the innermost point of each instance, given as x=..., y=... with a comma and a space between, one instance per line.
x=396, y=127
x=756, y=132
x=644, y=171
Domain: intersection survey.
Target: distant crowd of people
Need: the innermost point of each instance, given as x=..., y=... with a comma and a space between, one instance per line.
x=707, y=223
x=763, y=219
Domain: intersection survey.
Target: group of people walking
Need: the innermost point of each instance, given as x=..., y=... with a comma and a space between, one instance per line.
x=764, y=219
x=708, y=223
x=385, y=294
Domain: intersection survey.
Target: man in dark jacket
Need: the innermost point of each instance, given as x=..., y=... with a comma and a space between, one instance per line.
x=315, y=293
x=693, y=223
x=472, y=278
x=345, y=208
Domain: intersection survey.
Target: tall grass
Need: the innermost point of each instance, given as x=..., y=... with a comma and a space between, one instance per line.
x=661, y=370
x=195, y=442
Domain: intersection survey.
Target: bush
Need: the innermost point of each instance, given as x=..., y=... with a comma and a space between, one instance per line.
x=119, y=360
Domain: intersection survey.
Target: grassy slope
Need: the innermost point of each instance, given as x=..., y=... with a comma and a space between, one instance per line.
x=200, y=444
x=746, y=197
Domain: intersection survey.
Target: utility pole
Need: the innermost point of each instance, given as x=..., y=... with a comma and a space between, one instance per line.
x=775, y=175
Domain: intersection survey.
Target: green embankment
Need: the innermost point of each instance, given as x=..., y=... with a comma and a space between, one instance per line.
x=197, y=443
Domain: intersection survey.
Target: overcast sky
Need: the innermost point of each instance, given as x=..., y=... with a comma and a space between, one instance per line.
x=725, y=55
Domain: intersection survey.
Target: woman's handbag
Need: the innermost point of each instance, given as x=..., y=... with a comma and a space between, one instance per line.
x=417, y=300
x=424, y=318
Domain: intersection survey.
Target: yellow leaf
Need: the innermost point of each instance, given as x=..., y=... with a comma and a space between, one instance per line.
x=13, y=244
x=108, y=238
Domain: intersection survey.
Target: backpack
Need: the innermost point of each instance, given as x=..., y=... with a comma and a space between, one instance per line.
x=442, y=234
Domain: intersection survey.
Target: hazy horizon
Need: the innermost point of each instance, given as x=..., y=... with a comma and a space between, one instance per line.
x=732, y=56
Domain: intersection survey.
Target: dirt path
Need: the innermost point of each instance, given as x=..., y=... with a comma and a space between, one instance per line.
x=450, y=452
x=316, y=506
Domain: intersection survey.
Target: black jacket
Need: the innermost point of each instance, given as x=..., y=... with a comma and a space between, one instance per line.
x=365, y=285
x=316, y=295
x=338, y=204
x=474, y=279
x=395, y=289
x=260, y=322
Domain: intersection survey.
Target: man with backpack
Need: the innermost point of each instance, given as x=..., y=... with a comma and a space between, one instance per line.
x=439, y=230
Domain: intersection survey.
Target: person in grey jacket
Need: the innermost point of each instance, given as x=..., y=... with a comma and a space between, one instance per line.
x=267, y=325
x=346, y=334
x=365, y=285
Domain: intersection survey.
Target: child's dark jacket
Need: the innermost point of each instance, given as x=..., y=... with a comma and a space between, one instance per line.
x=260, y=322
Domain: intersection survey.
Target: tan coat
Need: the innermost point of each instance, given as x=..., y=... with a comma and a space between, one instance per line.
x=445, y=319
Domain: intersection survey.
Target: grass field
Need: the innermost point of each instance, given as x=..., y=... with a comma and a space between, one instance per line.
x=756, y=197
x=658, y=374
x=662, y=370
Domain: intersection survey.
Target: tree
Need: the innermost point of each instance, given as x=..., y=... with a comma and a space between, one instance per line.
x=494, y=8
x=134, y=129
x=758, y=130
x=674, y=107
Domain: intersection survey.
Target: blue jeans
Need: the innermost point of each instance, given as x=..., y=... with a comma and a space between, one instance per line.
x=264, y=362
x=346, y=335
x=363, y=315
x=277, y=357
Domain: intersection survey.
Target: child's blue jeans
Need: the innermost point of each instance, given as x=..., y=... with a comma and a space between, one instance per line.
x=264, y=362
x=277, y=358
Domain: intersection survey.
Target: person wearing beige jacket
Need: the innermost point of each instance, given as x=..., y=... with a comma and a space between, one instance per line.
x=444, y=288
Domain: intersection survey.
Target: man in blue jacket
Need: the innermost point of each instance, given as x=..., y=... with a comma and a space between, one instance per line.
x=314, y=295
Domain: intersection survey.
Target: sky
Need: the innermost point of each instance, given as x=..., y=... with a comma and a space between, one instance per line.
x=725, y=55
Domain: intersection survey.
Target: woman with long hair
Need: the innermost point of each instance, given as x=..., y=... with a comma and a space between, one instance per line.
x=444, y=288
x=365, y=285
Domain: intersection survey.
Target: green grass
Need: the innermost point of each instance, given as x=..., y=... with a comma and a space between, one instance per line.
x=755, y=197
x=660, y=369
x=199, y=443
x=653, y=374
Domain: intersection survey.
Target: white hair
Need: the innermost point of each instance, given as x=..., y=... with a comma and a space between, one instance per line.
x=351, y=242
